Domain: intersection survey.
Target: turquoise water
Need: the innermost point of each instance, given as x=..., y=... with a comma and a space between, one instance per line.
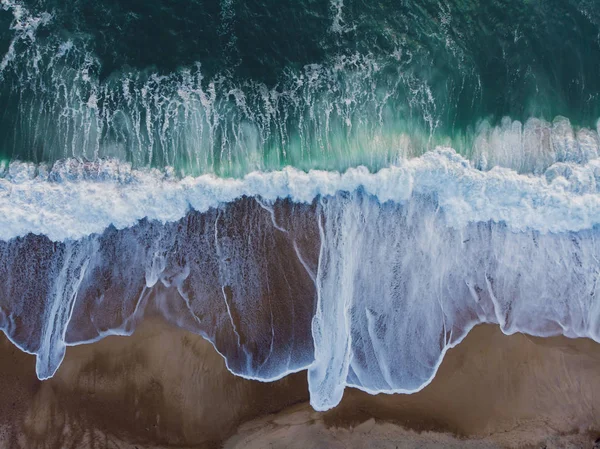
x=232, y=87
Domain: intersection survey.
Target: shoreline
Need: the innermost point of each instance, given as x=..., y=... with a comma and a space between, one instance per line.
x=165, y=387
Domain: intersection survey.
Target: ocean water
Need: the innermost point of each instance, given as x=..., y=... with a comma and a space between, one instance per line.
x=337, y=186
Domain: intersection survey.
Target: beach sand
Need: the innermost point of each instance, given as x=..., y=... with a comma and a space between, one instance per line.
x=164, y=387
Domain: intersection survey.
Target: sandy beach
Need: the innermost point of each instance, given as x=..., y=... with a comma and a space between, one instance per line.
x=164, y=387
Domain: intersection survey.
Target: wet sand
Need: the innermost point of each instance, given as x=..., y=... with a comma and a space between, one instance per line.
x=165, y=387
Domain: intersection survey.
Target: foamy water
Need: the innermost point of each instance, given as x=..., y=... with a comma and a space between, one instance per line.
x=75, y=199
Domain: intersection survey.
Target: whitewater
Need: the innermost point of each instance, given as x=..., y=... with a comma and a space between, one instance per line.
x=75, y=199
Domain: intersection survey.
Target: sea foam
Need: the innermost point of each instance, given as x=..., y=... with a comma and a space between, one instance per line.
x=76, y=199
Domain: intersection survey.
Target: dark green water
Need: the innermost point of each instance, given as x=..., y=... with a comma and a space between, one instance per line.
x=233, y=86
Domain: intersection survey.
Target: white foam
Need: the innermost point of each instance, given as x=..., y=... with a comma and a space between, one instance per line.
x=75, y=199
x=24, y=25
x=397, y=288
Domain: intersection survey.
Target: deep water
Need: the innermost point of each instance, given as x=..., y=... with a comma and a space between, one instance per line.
x=237, y=86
